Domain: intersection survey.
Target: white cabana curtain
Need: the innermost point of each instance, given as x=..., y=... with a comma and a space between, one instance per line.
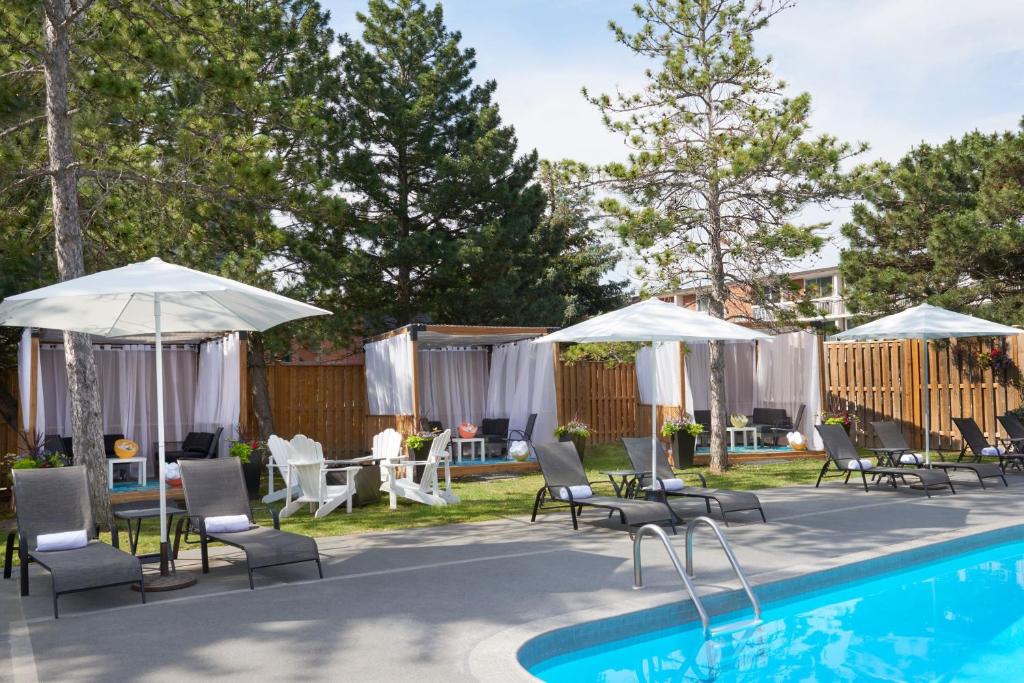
x=217, y=390
x=452, y=385
x=788, y=376
x=666, y=389
x=126, y=376
x=740, y=387
x=522, y=382
x=25, y=383
x=389, y=378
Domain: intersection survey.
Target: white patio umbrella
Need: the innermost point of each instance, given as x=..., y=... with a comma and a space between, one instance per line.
x=925, y=322
x=152, y=298
x=655, y=321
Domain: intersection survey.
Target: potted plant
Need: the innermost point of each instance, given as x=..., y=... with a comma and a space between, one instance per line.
x=683, y=433
x=838, y=418
x=576, y=431
x=419, y=448
x=249, y=454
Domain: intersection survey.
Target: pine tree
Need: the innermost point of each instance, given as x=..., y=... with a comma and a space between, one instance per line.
x=722, y=161
x=443, y=207
x=944, y=225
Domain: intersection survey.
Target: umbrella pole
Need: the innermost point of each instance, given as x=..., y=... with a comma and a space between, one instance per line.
x=654, y=412
x=166, y=581
x=927, y=401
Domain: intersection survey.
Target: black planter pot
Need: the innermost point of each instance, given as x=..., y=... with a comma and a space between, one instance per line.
x=420, y=454
x=252, y=471
x=683, y=446
x=579, y=441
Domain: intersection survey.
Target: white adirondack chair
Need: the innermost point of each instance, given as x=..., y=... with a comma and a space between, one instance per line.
x=307, y=466
x=428, y=490
x=278, y=460
x=387, y=446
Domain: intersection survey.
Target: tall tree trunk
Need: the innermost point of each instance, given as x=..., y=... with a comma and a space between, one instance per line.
x=719, y=460
x=86, y=423
x=259, y=387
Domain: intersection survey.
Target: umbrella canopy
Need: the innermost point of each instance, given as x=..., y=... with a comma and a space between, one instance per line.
x=152, y=297
x=925, y=322
x=655, y=321
x=119, y=303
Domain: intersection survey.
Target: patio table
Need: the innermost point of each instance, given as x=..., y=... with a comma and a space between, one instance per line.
x=458, y=442
x=137, y=514
x=139, y=460
x=621, y=480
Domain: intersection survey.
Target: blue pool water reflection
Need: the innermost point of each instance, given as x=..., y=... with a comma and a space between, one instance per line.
x=960, y=619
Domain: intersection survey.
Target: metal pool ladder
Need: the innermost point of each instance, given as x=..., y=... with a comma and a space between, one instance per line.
x=686, y=574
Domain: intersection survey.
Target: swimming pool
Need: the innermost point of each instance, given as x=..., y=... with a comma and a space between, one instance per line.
x=954, y=619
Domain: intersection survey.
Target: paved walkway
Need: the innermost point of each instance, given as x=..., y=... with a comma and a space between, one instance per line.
x=449, y=603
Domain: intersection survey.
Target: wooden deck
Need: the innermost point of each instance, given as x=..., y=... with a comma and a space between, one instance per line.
x=176, y=494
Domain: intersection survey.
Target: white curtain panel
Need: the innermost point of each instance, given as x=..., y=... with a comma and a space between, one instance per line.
x=25, y=383
x=788, y=376
x=453, y=385
x=389, y=375
x=522, y=382
x=217, y=401
x=666, y=389
x=740, y=384
x=127, y=382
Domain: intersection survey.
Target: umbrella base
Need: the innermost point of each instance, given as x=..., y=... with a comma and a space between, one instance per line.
x=159, y=583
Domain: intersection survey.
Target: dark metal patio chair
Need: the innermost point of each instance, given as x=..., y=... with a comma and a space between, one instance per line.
x=56, y=500
x=216, y=488
x=639, y=451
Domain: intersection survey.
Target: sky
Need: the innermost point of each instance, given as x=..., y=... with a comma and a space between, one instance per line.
x=892, y=73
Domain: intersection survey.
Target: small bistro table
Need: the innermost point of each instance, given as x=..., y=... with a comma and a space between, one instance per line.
x=744, y=431
x=137, y=514
x=139, y=460
x=457, y=443
x=621, y=480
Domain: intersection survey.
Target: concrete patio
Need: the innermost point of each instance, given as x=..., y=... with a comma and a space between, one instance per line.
x=450, y=603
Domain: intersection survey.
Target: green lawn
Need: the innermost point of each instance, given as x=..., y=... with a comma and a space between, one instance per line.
x=504, y=496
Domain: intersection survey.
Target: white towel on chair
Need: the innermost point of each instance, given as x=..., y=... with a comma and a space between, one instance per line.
x=862, y=464
x=993, y=450
x=911, y=459
x=670, y=484
x=227, y=524
x=62, y=540
x=578, y=492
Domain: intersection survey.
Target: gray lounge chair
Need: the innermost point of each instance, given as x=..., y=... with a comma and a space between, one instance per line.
x=561, y=467
x=216, y=488
x=978, y=445
x=841, y=452
x=57, y=500
x=639, y=451
x=899, y=453
x=1013, y=444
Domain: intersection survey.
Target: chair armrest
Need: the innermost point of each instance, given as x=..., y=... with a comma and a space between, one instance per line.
x=275, y=515
x=520, y=432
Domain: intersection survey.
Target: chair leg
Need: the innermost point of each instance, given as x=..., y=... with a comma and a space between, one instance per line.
x=23, y=573
x=824, y=468
x=142, y=590
x=9, y=555
x=251, y=585
x=204, y=553
x=537, y=503
x=763, y=518
x=864, y=479
x=55, y=613
x=319, y=569
x=575, y=524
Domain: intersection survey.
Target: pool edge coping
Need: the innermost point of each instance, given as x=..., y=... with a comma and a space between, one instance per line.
x=498, y=656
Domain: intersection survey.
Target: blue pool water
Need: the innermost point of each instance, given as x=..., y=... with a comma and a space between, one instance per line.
x=960, y=619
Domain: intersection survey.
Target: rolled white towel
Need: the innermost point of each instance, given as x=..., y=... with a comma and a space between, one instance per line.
x=993, y=450
x=911, y=459
x=861, y=464
x=670, y=484
x=62, y=540
x=579, y=492
x=227, y=524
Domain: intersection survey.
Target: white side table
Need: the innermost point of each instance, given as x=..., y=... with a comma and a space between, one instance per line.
x=139, y=460
x=457, y=443
x=744, y=431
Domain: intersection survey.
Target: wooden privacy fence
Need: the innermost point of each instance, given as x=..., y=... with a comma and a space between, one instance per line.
x=882, y=381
